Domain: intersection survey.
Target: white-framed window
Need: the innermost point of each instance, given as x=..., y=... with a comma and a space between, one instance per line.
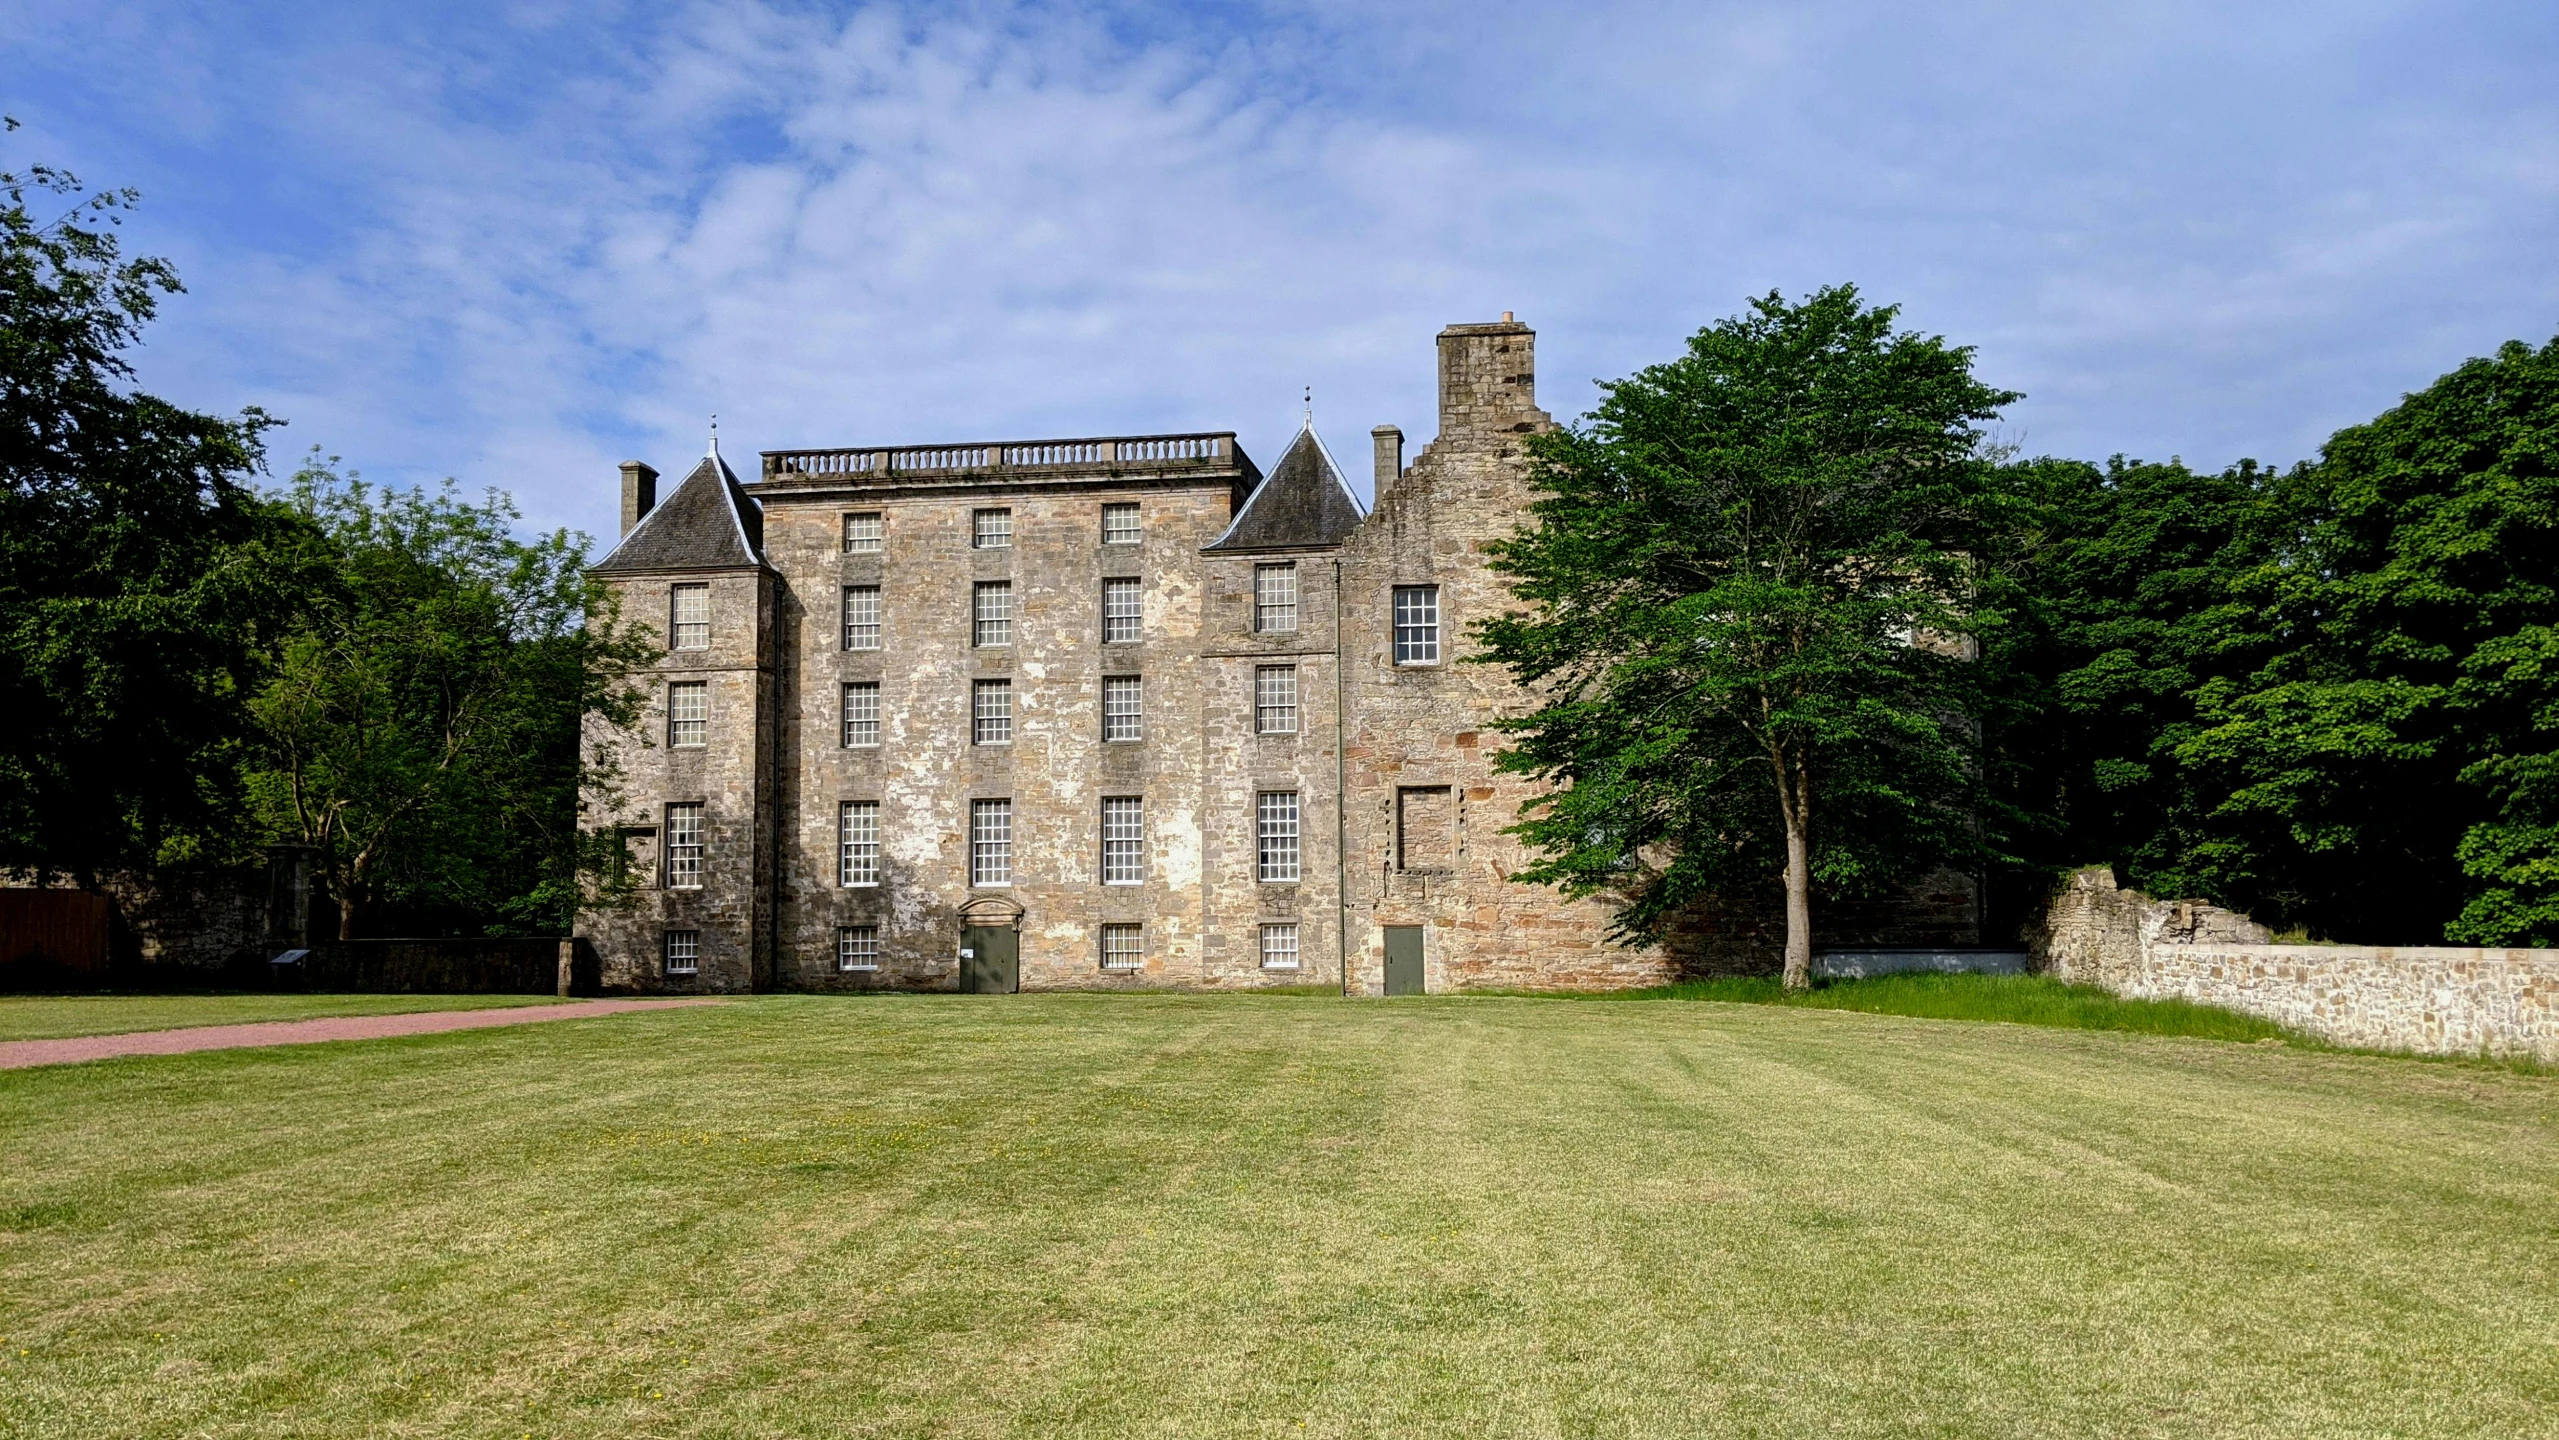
x=1123, y=707
x=1274, y=699
x=1274, y=599
x=991, y=712
x=861, y=617
x=1416, y=624
x=690, y=623
x=684, y=846
x=857, y=947
x=688, y=714
x=1123, y=840
x=990, y=842
x=1123, y=947
x=1275, y=815
x=1279, y=947
x=992, y=530
x=1123, y=611
x=684, y=952
x=861, y=714
x=857, y=843
x=865, y=533
x=1120, y=523
x=991, y=613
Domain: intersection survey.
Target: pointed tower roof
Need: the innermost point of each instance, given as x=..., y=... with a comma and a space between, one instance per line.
x=1305, y=502
x=709, y=523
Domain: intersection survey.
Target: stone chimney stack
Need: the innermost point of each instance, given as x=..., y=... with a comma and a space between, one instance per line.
x=639, y=493
x=1488, y=378
x=1388, y=443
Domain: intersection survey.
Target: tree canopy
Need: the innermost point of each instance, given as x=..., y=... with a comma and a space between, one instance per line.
x=1754, y=580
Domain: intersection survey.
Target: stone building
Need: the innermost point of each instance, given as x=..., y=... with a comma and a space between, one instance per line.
x=1094, y=713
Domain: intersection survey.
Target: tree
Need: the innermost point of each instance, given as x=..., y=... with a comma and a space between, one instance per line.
x=2390, y=770
x=1755, y=589
x=421, y=728
x=2124, y=607
x=137, y=573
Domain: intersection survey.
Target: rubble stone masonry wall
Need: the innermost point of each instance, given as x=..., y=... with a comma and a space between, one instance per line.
x=2425, y=1000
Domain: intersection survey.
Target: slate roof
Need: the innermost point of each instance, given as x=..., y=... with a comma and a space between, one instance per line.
x=707, y=524
x=1304, y=502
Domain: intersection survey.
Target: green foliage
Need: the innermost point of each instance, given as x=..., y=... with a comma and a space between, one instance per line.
x=137, y=574
x=1732, y=558
x=422, y=724
x=2386, y=768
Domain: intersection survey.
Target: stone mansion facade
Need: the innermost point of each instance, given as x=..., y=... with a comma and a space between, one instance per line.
x=1089, y=713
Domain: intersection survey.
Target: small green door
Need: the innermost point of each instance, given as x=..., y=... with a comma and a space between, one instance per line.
x=990, y=960
x=1403, y=959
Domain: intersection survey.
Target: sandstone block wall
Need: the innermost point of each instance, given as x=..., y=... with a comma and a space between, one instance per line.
x=2426, y=1000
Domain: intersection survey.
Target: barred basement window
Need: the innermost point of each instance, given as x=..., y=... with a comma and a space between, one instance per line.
x=1123, y=612
x=992, y=613
x=1120, y=524
x=1123, y=840
x=857, y=947
x=684, y=952
x=692, y=618
x=990, y=842
x=1123, y=707
x=861, y=617
x=1123, y=947
x=1275, y=700
x=1416, y=624
x=993, y=530
x=1274, y=599
x=864, y=534
x=1276, y=817
x=688, y=713
x=861, y=714
x=684, y=846
x=992, y=712
x=1279, y=947
x=857, y=829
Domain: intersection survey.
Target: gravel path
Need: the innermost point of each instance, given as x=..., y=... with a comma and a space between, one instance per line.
x=17, y=1054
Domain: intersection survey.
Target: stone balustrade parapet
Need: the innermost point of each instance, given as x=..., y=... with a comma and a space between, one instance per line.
x=1111, y=454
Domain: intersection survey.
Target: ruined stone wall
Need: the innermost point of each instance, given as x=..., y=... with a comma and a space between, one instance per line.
x=730, y=775
x=2427, y=1000
x=1418, y=733
x=1057, y=769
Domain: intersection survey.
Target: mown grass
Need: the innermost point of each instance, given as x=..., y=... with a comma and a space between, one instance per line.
x=1168, y=1216
x=2016, y=999
x=55, y=1017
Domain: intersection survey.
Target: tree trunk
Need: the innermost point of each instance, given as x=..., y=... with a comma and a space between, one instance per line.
x=1799, y=903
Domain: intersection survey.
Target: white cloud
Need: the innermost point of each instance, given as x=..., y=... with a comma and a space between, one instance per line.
x=520, y=245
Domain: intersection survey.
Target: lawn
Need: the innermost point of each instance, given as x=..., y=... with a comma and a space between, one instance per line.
x=54, y=1017
x=2014, y=999
x=1292, y=1216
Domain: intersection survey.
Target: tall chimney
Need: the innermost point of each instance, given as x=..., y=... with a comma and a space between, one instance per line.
x=1487, y=377
x=639, y=493
x=1389, y=444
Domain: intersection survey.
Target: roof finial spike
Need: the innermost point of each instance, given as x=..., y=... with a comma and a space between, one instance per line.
x=715, y=435
x=1310, y=407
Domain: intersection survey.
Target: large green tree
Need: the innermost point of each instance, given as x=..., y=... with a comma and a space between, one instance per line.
x=2389, y=771
x=1755, y=591
x=137, y=578
x=421, y=727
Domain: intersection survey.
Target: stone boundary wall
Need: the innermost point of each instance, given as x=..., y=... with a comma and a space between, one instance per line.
x=2424, y=1000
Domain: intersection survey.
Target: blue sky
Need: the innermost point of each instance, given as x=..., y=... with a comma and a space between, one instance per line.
x=516, y=243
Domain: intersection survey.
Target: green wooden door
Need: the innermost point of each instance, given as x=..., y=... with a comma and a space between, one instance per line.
x=1403, y=959
x=990, y=960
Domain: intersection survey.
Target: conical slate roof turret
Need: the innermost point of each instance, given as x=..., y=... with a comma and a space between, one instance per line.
x=1304, y=503
x=709, y=523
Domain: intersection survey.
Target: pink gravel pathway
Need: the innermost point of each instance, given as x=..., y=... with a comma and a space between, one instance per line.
x=17, y=1054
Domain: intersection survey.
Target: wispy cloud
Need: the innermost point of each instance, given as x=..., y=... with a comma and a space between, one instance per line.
x=517, y=244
